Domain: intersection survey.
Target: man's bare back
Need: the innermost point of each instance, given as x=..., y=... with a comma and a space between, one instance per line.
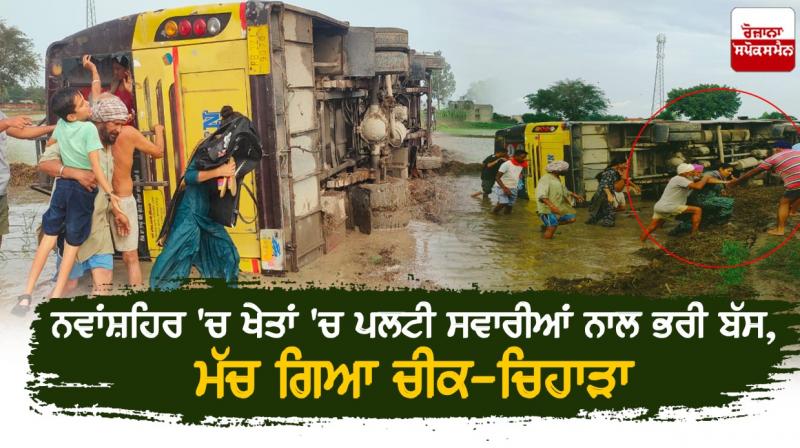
x=128, y=140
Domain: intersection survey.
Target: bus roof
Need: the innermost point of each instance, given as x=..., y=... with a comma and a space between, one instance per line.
x=117, y=35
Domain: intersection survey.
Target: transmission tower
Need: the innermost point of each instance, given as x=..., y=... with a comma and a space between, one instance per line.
x=91, y=17
x=658, y=84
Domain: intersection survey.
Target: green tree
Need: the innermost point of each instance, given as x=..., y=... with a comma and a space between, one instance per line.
x=36, y=94
x=18, y=62
x=706, y=105
x=570, y=99
x=667, y=114
x=775, y=115
x=443, y=83
x=538, y=117
x=605, y=117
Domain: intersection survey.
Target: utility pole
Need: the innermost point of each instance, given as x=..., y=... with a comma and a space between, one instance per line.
x=658, y=84
x=91, y=17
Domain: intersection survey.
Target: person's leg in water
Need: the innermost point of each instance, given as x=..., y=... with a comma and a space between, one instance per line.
x=550, y=224
x=131, y=260
x=504, y=201
x=783, y=214
x=101, y=279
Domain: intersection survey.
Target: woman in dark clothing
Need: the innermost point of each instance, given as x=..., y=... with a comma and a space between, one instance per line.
x=195, y=239
x=602, y=208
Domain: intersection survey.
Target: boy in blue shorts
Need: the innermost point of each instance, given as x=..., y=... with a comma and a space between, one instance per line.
x=553, y=199
x=71, y=205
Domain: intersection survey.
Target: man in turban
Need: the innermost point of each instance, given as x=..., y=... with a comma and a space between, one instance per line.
x=554, y=201
x=110, y=115
x=127, y=140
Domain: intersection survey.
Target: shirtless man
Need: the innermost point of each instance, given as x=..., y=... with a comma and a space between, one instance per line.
x=128, y=140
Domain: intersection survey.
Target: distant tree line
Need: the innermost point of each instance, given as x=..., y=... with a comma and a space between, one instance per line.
x=576, y=100
x=16, y=94
x=19, y=63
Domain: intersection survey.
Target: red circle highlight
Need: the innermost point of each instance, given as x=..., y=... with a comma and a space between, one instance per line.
x=636, y=213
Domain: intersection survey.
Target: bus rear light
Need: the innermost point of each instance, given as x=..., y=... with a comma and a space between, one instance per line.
x=194, y=26
x=213, y=26
x=170, y=29
x=199, y=27
x=185, y=27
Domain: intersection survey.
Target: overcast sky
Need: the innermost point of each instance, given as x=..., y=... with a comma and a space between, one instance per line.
x=519, y=46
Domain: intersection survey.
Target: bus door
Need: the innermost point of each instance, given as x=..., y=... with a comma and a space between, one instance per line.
x=204, y=94
x=197, y=81
x=534, y=169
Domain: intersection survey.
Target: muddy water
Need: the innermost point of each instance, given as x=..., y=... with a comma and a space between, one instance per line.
x=465, y=149
x=19, y=246
x=474, y=247
x=23, y=151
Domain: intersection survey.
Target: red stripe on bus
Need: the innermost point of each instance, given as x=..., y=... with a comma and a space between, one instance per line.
x=178, y=106
x=243, y=15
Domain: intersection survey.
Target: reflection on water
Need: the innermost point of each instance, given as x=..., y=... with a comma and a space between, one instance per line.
x=476, y=247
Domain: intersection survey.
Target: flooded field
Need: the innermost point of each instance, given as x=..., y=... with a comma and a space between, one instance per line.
x=474, y=247
x=25, y=215
x=464, y=149
x=23, y=151
x=465, y=246
x=456, y=242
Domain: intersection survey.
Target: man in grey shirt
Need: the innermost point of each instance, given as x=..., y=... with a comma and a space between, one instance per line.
x=673, y=200
x=17, y=127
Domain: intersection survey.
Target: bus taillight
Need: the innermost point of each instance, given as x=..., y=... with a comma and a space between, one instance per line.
x=192, y=27
x=199, y=27
x=185, y=27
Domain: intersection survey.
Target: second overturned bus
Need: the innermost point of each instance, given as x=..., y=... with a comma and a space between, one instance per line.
x=589, y=146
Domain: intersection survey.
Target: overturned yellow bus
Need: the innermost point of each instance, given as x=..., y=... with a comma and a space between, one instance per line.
x=589, y=146
x=334, y=105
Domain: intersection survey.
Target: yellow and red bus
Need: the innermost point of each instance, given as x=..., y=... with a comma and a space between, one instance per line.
x=544, y=142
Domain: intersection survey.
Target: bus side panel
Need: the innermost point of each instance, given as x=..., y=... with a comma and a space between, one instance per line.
x=543, y=148
x=154, y=81
x=212, y=76
x=195, y=81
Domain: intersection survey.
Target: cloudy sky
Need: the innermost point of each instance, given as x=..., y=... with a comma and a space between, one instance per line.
x=518, y=46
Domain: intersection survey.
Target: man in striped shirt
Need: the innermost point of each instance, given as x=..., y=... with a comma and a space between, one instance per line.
x=785, y=163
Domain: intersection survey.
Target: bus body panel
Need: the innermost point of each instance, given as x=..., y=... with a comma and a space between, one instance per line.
x=148, y=23
x=196, y=78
